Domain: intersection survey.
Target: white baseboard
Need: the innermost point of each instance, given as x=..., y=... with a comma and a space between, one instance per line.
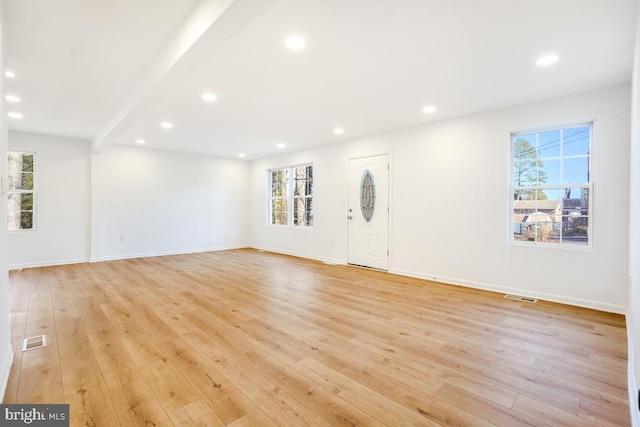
x=165, y=253
x=52, y=263
x=300, y=255
x=597, y=305
x=5, y=370
x=49, y=263
x=562, y=299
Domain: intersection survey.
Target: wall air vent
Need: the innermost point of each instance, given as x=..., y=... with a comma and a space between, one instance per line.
x=32, y=343
x=521, y=298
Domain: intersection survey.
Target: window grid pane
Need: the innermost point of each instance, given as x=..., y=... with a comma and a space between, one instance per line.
x=21, y=195
x=291, y=200
x=303, y=212
x=551, y=182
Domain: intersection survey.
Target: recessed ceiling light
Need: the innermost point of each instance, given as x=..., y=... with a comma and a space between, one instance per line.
x=429, y=109
x=242, y=155
x=338, y=131
x=140, y=141
x=295, y=42
x=166, y=125
x=14, y=115
x=10, y=74
x=209, y=96
x=12, y=98
x=547, y=60
x=281, y=145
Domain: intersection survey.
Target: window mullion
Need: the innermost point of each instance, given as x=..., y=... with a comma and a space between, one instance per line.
x=290, y=196
x=543, y=208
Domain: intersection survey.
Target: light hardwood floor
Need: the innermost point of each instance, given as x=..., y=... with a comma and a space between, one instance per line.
x=245, y=338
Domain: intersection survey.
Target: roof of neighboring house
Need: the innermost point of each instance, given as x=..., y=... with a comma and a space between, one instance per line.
x=537, y=204
x=534, y=217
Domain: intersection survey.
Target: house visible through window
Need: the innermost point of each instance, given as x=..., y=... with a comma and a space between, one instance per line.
x=21, y=169
x=551, y=185
x=291, y=196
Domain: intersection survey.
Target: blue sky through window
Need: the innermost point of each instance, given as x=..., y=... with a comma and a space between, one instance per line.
x=564, y=154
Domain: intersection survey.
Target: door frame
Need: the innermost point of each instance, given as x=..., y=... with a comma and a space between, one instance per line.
x=390, y=212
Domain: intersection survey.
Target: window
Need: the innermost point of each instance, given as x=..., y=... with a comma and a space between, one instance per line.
x=551, y=186
x=291, y=196
x=20, y=215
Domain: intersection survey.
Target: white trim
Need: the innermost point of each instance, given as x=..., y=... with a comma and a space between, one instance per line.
x=631, y=381
x=5, y=371
x=548, y=245
x=121, y=256
x=559, y=125
x=562, y=299
x=47, y=263
x=330, y=261
x=165, y=253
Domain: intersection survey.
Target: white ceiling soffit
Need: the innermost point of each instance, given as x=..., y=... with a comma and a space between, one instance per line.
x=209, y=27
x=76, y=59
x=112, y=71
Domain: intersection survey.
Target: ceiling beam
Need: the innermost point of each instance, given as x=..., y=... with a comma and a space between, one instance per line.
x=210, y=25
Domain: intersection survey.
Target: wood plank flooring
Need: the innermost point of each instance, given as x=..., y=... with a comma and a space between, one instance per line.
x=247, y=338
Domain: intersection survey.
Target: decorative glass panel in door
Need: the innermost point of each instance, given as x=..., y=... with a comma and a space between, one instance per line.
x=367, y=196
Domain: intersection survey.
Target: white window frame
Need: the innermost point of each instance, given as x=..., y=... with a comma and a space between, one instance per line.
x=289, y=196
x=21, y=191
x=588, y=186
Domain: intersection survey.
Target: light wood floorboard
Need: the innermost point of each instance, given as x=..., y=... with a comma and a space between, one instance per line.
x=249, y=338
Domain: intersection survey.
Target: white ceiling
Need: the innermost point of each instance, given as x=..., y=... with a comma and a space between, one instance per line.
x=111, y=71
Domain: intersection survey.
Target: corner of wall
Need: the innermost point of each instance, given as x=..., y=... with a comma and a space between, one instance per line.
x=6, y=353
x=5, y=369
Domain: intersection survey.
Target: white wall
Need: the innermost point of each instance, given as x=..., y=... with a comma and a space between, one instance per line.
x=6, y=354
x=61, y=233
x=633, y=314
x=450, y=203
x=153, y=202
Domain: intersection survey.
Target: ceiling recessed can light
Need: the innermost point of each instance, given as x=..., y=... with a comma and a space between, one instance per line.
x=14, y=115
x=295, y=42
x=166, y=125
x=546, y=60
x=140, y=141
x=429, y=109
x=242, y=155
x=10, y=74
x=338, y=131
x=209, y=96
x=281, y=145
x=12, y=98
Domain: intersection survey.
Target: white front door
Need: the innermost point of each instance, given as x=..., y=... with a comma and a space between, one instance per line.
x=368, y=212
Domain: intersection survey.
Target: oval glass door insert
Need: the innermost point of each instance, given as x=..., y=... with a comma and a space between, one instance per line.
x=367, y=196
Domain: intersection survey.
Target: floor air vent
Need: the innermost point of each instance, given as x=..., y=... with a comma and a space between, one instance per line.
x=32, y=343
x=520, y=298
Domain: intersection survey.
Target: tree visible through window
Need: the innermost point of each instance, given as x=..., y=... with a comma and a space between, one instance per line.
x=291, y=197
x=551, y=183
x=21, y=170
x=279, y=196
